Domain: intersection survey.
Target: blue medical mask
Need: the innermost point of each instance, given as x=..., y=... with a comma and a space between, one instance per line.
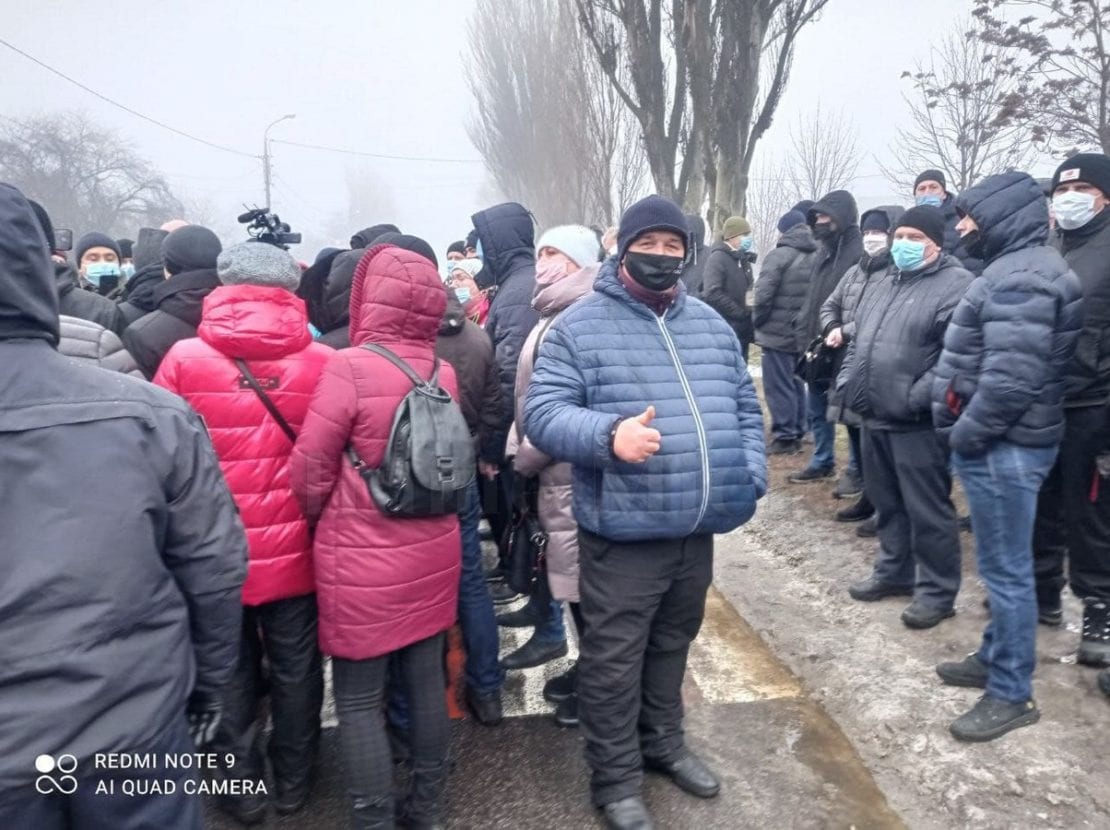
x=931, y=200
x=96, y=271
x=463, y=294
x=478, y=250
x=315, y=332
x=127, y=270
x=907, y=255
x=746, y=243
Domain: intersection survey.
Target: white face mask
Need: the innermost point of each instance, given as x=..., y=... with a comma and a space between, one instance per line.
x=874, y=243
x=1073, y=210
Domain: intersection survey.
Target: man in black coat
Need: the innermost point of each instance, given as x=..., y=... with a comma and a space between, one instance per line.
x=727, y=278
x=189, y=254
x=887, y=379
x=835, y=224
x=931, y=188
x=121, y=609
x=1073, y=512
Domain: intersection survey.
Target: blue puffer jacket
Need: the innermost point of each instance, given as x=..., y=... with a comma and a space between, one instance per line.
x=609, y=357
x=1001, y=374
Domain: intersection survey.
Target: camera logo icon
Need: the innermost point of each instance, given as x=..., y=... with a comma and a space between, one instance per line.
x=56, y=774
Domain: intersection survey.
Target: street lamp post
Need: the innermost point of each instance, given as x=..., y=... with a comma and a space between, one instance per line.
x=266, y=155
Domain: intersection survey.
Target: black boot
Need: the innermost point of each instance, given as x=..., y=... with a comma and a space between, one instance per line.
x=534, y=653
x=423, y=809
x=566, y=715
x=1094, y=648
x=869, y=529
x=528, y=615
x=562, y=686
x=858, y=512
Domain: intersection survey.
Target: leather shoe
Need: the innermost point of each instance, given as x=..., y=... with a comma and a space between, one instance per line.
x=873, y=590
x=486, y=708
x=689, y=773
x=534, y=653
x=627, y=814
x=501, y=594
x=919, y=615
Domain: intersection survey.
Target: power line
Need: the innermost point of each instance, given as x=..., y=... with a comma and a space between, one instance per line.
x=124, y=107
x=375, y=155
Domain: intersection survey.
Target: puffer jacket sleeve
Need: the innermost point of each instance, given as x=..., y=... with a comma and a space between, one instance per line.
x=775, y=265
x=832, y=309
x=556, y=419
x=114, y=356
x=751, y=429
x=509, y=328
x=318, y=454
x=921, y=392
x=205, y=549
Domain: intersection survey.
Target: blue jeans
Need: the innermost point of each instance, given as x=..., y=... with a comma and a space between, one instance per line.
x=476, y=617
x=552, y=629
x=824, y=433
x=1002, y=487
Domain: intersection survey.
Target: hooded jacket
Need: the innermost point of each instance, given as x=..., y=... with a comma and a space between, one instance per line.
x=313, y=282
x=726, y=281
x=267, y=327
x=952, y=243
x=123, y=555
x=610, y=357
x=137, y=296
x=508, y=251
x=91, y=343
x=1001, y=375
x=382, y=583
x=334, y=306
x=781, y=289
x=74, y=301
x=887, y=374
x=1087, y=252
x=178, y=303
x=693, y=275
x=834, y=257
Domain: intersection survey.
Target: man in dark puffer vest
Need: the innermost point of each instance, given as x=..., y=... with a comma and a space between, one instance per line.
x=643, y=390
x=998, y=398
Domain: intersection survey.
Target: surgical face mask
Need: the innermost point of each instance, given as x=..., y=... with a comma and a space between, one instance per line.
x=463, y=294
x=1073, y=210
x=96, y=271
x=127, y=270
x=930, y=199
x=874, y=243
x=746, y=243
x=907, y=255
x=552, y=271
x=478, y=251
x=655, y=272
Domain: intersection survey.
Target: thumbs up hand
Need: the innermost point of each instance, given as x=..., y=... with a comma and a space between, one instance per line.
x=635, y=441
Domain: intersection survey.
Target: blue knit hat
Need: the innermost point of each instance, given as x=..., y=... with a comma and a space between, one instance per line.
x=791, y=219
x=652, y=213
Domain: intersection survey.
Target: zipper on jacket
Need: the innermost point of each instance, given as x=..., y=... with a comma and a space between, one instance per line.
x=703, y=441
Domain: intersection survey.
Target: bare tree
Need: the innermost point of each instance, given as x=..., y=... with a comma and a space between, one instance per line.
x=826, y=154
x=771, y=192
x=86, y=176
x=1056, y=58
x=956, y=111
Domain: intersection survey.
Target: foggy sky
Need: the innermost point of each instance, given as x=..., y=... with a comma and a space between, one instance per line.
x=378, y=76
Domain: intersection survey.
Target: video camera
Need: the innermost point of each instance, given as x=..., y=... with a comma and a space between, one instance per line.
x=263, y=226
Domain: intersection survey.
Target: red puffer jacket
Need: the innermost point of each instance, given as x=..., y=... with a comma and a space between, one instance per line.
x=382, y=583
x=268, y=328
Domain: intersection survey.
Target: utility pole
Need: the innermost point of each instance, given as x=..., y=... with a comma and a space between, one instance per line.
x=266, y=171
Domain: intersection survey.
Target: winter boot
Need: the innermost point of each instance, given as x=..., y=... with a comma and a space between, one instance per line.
x=861, y=511
x=970, y=672
x=533, y=653
x=1094, y=648
x=991, y=718
x=562, y=686
x=423, y=809
x=869, y=529
x=566, y=715
x=529, y=615
x=848, y=485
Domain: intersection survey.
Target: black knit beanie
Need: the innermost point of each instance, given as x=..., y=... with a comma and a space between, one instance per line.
x=191, y=248
x=875, y=220
x=927, y=219
x=931, y=176
x=94, y=240
x=457, y=247
x=653, y=213
x=1092, y=168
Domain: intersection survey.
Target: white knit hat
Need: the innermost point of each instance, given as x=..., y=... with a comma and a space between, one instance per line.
x=579, y=243
x=258, y=263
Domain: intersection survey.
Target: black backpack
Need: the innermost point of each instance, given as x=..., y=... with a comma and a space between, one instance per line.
x=429, y=460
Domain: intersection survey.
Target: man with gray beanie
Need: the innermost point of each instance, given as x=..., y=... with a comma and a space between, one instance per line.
x=250, y=373
x=189, y=257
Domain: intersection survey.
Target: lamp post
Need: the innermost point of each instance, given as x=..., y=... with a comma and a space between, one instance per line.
x=266, y=154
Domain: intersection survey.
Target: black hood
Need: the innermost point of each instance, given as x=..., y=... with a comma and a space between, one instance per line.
x=335, y=301
x=508, y=241
x=800, y=238
x=182, y=295
x=28, y=291
x=366, y=237
x=871, y=264
x=697, y=229
x=841, y=206
x=1010, y=210
x=148, y=248
x=454, y=318
x=139, y=290
x=314, y=282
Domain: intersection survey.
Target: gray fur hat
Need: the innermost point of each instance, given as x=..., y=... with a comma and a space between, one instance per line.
x=257, y=263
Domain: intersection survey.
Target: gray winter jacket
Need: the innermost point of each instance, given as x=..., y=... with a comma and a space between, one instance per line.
x=781, y=289
x=90, y=342
x=887, y=376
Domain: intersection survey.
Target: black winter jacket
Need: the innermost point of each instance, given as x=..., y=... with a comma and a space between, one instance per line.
x=137, y=294
x=178, y=303
x=1001, y=375
x=508, y=250
x=464, y=345
x=887, y=376
x=781, y=289
x=74, y=301
x=114, y=608
x=726, y=281
x=693, y=275
x=834, y=257
x=1087, y=252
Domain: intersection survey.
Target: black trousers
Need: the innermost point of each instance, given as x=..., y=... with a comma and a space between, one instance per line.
x=642, y=604
x=1070, y=524
x=909, y=484
x=284, y=632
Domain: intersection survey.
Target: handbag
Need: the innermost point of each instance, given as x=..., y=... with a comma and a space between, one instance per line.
x=817, y=365
x=526, y=543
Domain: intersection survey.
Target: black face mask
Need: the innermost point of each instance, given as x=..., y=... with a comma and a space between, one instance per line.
x=655, y=272
x=823, y=232
x=973, y=243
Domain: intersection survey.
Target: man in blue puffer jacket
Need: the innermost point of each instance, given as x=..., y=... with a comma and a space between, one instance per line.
x=642, y=388
x=998, y=397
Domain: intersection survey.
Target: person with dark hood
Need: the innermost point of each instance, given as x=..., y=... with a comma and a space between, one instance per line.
x=1073, y=511
x=693, y=273
x=72, y=301
x=777, y=300
x=931, y=188
x=121, y=608
x=887, y=379
x=838, y=327
x=368, y=236
x=136, y=296
x=641, y=388
x=727, y=279
x=189, y=257
x=997, y=399
x=834, y=221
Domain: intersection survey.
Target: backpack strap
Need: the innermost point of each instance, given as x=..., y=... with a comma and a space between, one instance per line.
x=267, y=402
x=410, y=373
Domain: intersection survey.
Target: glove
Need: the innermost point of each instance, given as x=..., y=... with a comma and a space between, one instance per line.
x=203, y=713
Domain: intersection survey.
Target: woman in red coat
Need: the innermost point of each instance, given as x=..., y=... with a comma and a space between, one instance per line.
x=255, y=317
x=387, y=586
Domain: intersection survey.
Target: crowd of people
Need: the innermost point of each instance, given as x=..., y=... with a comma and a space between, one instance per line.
x=279, y=462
